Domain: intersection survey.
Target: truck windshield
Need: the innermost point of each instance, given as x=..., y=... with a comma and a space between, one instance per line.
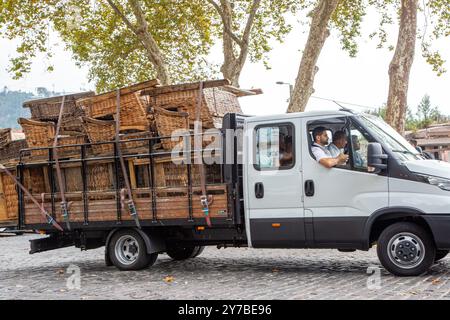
x=391, y=138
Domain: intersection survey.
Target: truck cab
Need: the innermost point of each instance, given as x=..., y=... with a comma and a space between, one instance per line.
x=387, y=193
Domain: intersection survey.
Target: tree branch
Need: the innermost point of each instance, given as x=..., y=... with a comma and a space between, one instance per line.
x=226, y=26
x=140, y=17
x=121, y=15
x=250, y=21
x=143, y=35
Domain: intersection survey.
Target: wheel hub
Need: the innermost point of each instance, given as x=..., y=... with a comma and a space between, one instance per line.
x=127, y=249
x=406, y=250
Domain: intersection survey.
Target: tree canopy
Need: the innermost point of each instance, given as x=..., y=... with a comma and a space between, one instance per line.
x=99, y=38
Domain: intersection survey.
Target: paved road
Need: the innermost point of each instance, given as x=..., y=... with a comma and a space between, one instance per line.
x=216, y=274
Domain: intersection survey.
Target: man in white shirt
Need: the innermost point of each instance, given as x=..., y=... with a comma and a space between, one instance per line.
x=321, y=152
x=338, y=144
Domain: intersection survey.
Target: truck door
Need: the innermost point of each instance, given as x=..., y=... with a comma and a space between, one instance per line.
x=341, y=199
x=273, y=184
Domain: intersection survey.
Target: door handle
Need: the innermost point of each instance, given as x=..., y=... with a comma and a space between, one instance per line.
x=309, y=188
x=259, y=190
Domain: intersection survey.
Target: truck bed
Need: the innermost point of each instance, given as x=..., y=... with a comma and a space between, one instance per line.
x=164, y=193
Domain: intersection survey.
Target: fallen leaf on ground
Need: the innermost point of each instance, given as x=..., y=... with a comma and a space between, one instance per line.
x=435, y=281
x=168, y=279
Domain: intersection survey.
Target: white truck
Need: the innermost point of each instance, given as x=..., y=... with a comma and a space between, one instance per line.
x=392, y=197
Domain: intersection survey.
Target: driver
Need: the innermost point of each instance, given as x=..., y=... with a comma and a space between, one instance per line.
x=321, y=152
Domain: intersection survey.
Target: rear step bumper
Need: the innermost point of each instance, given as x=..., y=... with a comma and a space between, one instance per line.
x=50, y=243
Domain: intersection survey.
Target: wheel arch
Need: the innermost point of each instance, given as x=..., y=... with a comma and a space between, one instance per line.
x=153, y=244
x=382, y=218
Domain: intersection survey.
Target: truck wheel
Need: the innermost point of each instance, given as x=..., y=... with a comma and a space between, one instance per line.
x=199, y=251
x=440, y=254
x=406, y=249
x=127, y=251
x=183, y=253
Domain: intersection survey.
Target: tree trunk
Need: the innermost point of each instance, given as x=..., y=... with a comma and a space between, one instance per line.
x=234, y=60
x=228, y=68
x=141, y=31
x=400, y=66
x=318, y=34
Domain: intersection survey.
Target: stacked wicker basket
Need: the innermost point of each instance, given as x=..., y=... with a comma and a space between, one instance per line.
x=147, y=110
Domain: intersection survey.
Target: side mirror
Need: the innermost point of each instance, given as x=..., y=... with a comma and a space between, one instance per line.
x=375, y=157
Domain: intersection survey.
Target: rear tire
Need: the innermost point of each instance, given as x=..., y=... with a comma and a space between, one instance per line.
x=440, y=254
x=127, y=251
x=180, y=253
x=406, y=249
x=199, y=251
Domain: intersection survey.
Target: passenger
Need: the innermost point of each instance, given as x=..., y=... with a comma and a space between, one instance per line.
x=286, y=154
x=321, y=152
x=415, y=145
x=338, y=144
x=357, y=158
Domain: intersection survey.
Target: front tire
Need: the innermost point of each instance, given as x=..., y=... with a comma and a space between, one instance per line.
x=406, y=249
x=127, y=251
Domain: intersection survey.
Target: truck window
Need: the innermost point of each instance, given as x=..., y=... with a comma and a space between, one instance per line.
x=358, y=143
x=275, y=147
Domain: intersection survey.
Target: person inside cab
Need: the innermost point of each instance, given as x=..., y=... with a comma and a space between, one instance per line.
x=286, y=156
x=358, y=160
x=338, y=144
x=322, y=153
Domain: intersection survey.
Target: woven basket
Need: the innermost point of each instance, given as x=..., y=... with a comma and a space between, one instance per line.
x=215, y=104
x=71, y=123
x=169, y=174
x=221, y=102
x=38, y=135
x=11, y=151
x=70, y=140
x=48, y=109
x=105, y=131
x=100, y=131
x=5, y=137
x=10, y=194
x=135, y=146
x=167, y=122
x=132, y=109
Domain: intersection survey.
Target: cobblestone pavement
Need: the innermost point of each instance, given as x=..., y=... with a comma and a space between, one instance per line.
x=216, y=274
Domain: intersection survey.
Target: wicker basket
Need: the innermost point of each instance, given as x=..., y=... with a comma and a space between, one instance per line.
x=135, y=146
x=169, y=174
x=215, y=104
x=5, y=137
x=71, y=123
x=105, y=131
x=167, y=122
x=11, y=151
x=100, y=131
x=132, y=110
x=11, y=197
x=38, y=135
x=48, y=109
x=70, y=140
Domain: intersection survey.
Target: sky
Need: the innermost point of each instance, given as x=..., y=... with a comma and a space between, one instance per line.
x=362, y=80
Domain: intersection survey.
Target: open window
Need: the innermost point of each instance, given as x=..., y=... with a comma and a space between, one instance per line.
x=357, y=140
x=332, y=126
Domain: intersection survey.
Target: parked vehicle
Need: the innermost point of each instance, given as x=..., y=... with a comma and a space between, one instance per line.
x=394, y=199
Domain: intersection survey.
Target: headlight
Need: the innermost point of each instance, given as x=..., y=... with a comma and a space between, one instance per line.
x=442, y=183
